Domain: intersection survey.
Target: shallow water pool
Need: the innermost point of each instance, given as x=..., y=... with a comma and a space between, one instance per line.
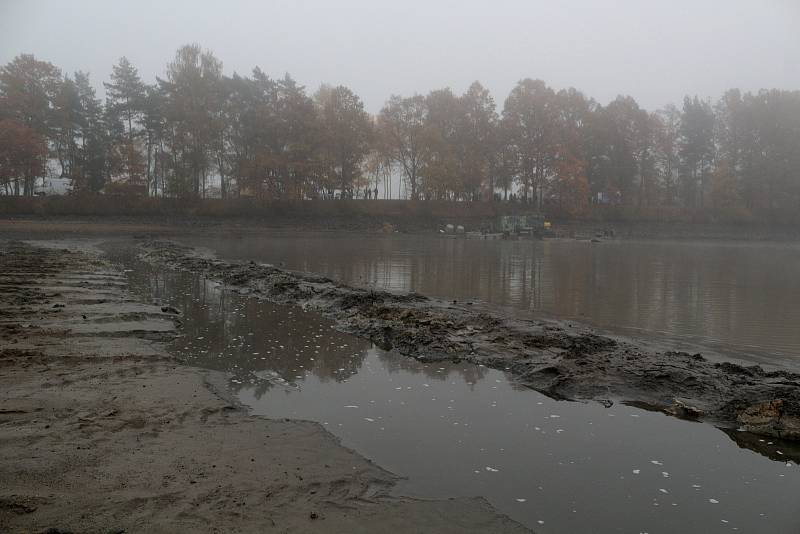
x=465, y=430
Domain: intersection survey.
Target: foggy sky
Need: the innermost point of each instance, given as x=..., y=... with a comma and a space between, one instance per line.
x=656, y=51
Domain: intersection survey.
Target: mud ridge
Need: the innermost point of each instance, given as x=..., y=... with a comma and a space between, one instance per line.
x=101, y=430
x=555, y=358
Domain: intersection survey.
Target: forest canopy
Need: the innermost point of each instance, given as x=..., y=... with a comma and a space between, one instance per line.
x=197, y=132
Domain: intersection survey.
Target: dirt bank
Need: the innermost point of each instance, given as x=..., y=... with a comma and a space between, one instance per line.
x=558, y=359
x=64, y=225
x=102, y=431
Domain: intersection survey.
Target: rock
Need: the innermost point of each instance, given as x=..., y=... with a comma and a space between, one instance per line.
x=683, y=410
x=772, y=418
x=170, y=309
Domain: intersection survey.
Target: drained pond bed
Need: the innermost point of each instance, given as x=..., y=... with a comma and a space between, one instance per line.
x=460, y=429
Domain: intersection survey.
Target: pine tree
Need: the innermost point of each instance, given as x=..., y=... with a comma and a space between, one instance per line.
x=125, y=100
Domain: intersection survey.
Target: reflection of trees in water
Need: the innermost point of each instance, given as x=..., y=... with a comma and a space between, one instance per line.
x=773, y=448
x=222, y=330
x=736, y=293
x=394, y=363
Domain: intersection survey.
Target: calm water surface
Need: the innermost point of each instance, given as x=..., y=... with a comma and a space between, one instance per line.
x=465, y=430
x=739, y=299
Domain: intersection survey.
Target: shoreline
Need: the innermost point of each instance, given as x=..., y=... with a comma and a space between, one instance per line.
x=49, y=226
x=553, y=357
x=104, y=431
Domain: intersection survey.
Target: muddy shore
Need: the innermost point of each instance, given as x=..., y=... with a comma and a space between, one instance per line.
x=85, y=226
x=102, y=431
x=555, y=358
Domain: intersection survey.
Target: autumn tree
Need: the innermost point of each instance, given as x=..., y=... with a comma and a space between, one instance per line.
x=478, y=132
x=442, y=165
x=569, y=187
x=530, y=120
x=402, y=123
x=645, y=140
x=378, y=168
x=667, y=159
x=28, y=90
x=255, y=135
x=620, y=152
x=696, y=149
x=504, y=163
x=724, y=189
x=23, y=155
x=346, y=132
x=272, y=137
x=193, y=97
x=301, y=136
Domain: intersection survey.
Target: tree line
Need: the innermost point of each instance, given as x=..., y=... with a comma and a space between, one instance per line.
x=197, y=132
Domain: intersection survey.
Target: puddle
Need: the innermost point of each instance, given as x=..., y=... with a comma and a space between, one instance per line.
x=736, y=298
x=463, y=430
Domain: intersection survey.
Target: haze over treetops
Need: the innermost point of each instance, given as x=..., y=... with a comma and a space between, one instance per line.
x=196, y=132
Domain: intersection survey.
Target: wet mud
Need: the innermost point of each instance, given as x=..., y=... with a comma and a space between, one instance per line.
x=559, y=359
x=101, y=430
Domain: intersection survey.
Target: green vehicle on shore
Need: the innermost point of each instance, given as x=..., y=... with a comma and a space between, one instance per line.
x=533, y=225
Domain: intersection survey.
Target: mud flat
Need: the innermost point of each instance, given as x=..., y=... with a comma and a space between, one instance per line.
x=555, y=358
x=102, y=431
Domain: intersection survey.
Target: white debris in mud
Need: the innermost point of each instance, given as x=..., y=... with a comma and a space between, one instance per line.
x=637, y=471
x=492, y=469
x=351, y=406
x=521, y=500
x=713, y=501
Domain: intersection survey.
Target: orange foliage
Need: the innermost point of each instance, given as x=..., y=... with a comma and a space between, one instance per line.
x=571, y=186
x=23, y=156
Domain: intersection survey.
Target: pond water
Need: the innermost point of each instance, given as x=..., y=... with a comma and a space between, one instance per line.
x=465, y=430
x=738, y=299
